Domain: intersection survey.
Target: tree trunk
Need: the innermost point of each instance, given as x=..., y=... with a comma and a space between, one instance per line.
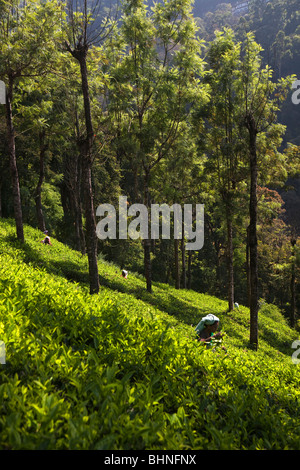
x=147, y=264
x=79, y=232
x=293, y=290
x=147, y=241
x=169, y=263
x=38, y=189
x=13, y=163
x=183, y=262
x=90, y=228
x=248, y=269
x=230, y=262
x=75, y=186
x=177, y=270
x=90, y=222
x=76, y=202
x=189, y=271
x=0, y=199
x=253, y=234
x=73, y=182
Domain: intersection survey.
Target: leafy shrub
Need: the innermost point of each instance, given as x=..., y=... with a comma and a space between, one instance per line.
x=122, y=370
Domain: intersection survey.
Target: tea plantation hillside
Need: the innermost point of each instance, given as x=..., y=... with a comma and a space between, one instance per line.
x=122, y=369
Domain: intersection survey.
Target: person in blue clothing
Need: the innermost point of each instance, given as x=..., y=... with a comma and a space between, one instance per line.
x=206, y=329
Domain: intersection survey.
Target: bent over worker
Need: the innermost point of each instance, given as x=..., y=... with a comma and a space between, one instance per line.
x=207, y=327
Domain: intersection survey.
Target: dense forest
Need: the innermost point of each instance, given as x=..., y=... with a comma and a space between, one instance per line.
x=163, y=103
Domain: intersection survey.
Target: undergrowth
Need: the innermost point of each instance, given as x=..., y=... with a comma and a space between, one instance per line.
x=123, y=370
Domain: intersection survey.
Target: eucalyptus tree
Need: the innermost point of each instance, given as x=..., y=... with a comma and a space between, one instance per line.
x=242, y=141
x=87, y=28
x=225, y=164
x=33, y=120
x=28, y=34
x=261, y=99
x=154, y=82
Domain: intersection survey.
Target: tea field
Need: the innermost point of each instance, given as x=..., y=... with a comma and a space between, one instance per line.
x=122, y=369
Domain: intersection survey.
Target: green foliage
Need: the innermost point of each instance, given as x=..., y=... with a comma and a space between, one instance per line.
x=122, y=370
x=28, y=34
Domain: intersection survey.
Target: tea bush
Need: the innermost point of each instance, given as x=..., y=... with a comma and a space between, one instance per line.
x=122, y=369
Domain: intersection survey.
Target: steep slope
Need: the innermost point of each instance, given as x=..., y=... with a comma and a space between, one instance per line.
x=122, y=370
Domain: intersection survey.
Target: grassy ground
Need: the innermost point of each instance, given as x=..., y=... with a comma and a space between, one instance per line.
x=122, y=369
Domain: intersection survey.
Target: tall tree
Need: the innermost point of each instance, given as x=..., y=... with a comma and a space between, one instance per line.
x=226, y=156
x=261, y=99
x=154, y=80
x=27, y=48
x=82, y=36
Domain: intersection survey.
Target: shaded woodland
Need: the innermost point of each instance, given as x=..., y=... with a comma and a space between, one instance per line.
x=171, y=103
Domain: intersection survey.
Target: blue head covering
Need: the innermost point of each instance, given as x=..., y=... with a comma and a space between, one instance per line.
x=209, y=319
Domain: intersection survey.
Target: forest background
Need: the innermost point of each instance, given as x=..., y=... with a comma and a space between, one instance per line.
x=161, y=118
